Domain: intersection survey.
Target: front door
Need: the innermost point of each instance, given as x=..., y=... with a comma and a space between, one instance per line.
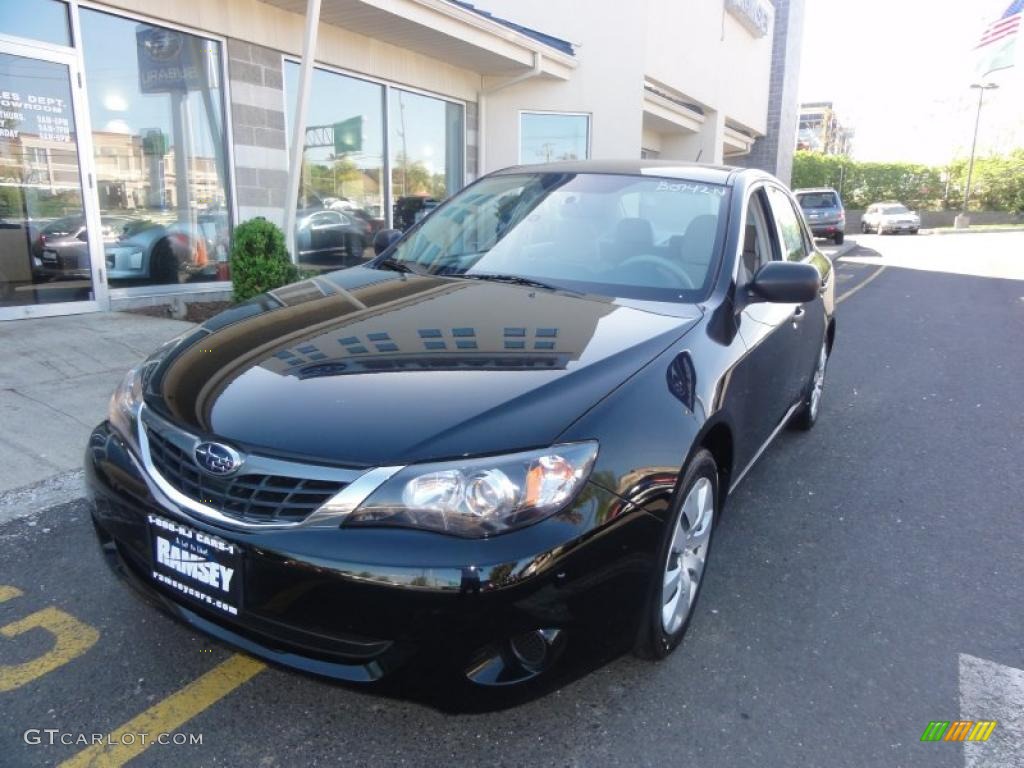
x=762, y=379
x=51, y=252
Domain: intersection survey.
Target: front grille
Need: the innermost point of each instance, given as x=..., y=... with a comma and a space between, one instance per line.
x=249, y=497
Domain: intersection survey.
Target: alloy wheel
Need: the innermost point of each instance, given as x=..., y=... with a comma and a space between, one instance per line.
x=688, y=551
x=818, y=385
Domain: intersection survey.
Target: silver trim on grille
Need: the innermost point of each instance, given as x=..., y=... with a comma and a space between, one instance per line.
x=360, y=484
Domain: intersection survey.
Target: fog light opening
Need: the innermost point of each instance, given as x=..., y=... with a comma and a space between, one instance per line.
x=533, y=649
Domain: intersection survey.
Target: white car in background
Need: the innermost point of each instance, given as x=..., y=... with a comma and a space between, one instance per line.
x=889, y=217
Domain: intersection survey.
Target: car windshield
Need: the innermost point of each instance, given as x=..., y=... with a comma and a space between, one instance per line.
x=891, y=209
x=615, y=235
x=818, y=200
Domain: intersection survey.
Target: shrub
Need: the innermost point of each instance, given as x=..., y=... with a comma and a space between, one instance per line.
x=259, y=259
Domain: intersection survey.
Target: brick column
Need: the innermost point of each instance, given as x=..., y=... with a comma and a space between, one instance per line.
x=258, y=129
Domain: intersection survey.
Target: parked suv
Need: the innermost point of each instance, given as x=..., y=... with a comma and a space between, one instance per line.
x=824, y=212
x=889, y=217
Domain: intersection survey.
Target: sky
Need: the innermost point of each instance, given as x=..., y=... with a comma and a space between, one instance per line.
x=899, y=73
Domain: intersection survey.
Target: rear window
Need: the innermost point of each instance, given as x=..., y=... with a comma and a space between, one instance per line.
x=818, y=200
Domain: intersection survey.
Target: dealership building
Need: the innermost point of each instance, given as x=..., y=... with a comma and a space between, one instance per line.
x=134, y=134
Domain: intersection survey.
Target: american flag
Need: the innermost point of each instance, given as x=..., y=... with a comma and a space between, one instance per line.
x=1005, y=26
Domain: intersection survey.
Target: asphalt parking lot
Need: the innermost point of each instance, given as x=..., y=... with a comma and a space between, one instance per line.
x=867, y=578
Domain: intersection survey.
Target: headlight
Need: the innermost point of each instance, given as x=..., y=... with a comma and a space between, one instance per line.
x=480, y=497
x=123, y=411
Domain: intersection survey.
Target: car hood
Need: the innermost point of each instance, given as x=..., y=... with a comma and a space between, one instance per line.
x=364, y=367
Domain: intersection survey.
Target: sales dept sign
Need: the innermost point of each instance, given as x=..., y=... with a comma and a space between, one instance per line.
x=169, y=61
x=752, y=14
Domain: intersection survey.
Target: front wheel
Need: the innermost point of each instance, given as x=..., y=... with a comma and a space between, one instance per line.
x=676, y=583
x=863, y=228
x=807, y=416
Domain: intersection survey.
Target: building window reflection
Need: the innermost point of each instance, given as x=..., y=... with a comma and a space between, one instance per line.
x=426, y=146
x=546, y=137
x=341, y=197
x=156, y=103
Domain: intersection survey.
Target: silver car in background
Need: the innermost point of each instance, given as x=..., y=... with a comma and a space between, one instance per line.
x=824, y=212
x=893, y=218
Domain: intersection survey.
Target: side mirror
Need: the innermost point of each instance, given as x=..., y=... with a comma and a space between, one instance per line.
x=385, y=239
x=785, y=282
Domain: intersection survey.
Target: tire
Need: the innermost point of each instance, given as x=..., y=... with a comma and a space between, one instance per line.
x=698, y=493
x=913, y=231
x=863, y=228
x=838, y=237
x=163, y=264
x=807, y=416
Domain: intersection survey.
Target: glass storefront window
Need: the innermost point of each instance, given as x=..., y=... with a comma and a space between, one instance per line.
x=43, y=20
x=44, y=250
x=157, y=108
x=546, y=137
x=426, y=144
x=341, y=198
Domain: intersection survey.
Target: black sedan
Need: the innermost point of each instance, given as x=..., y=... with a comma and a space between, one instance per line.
x=505, y=439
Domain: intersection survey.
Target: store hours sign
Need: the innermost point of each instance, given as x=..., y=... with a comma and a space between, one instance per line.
x=34, y=114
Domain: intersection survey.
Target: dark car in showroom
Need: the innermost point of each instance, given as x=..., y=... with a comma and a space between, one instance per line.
x=506, y=438
x=331, y=237
x=825, y=213
x=62, y=248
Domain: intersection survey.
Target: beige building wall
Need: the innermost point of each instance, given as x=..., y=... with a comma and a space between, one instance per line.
x=695, y=50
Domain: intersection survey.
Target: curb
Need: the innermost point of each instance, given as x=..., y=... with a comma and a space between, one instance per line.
x=32, y=499
x=979, y=230
x=845, y=248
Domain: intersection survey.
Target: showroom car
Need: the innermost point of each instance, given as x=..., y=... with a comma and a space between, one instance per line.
x=506, y=438
x=331, y=237
x=889, y=218
x=62, y=248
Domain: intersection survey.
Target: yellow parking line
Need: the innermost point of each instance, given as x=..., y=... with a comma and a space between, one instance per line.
x=169, y=714
x=856, y=288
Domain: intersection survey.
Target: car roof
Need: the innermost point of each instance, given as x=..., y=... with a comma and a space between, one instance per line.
x=709, y=174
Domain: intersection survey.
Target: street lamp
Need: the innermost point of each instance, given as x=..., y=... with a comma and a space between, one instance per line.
x=963, y=220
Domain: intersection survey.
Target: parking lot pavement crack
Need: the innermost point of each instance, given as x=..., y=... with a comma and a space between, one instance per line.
x=52, y=407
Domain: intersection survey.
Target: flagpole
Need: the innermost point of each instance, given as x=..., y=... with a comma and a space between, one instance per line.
x=963, y=220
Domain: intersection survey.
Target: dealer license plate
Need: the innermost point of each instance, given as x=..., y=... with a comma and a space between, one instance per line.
x=196, y=565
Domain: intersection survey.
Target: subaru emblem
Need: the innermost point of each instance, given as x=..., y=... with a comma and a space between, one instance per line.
x=217, y=459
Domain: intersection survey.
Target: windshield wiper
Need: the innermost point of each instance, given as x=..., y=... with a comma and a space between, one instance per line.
x=514, y=279
x=400, y=266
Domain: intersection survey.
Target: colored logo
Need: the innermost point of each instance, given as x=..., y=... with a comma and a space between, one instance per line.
x=959, y=730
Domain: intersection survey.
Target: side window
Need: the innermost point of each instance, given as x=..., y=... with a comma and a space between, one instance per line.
x=757, y=239
x=794, y=246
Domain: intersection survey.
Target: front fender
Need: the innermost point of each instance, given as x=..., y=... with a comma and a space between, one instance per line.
x=646, y=429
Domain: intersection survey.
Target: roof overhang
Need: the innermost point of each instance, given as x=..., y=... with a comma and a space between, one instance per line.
x=444, y=31
x=736, y=142
x=667, y=116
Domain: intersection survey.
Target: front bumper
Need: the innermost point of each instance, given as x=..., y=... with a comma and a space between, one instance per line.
x=360, y=604
x=893, y=227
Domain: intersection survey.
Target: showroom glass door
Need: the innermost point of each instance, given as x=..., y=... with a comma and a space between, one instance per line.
x=50, y=255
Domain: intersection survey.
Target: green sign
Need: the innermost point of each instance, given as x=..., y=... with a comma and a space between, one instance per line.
x=348, y=135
